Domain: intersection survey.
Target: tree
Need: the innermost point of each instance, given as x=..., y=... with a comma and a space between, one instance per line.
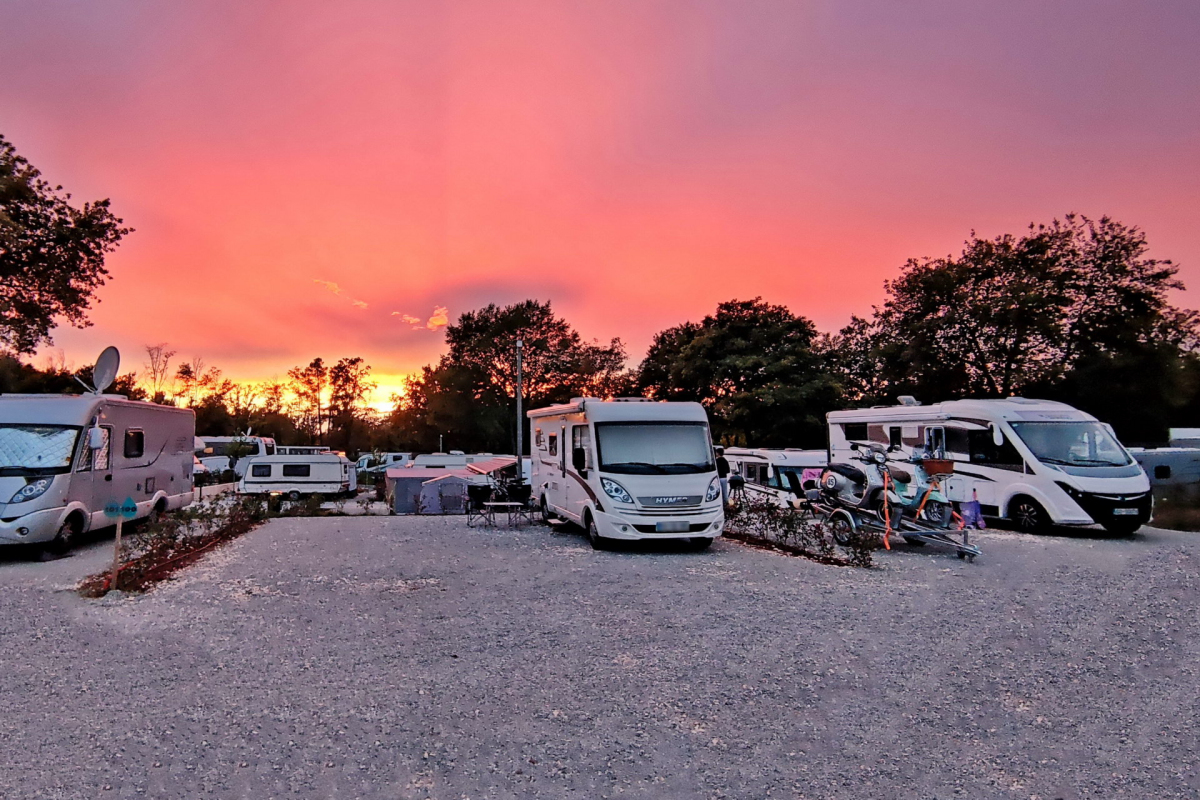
x=350, y=386
x=1012, y=313
x=158, y=370
x=51, y=253
x=469, y=396
x=753, y=366
x=308, y=385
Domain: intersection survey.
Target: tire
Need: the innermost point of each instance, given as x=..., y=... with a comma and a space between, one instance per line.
x=597, y=541
x=1027, y=515
x=66, y=538
x=938, y=514
x=841, y=529
x=700, y=543
x=156, y=514
x=547, y=514
x=293, y=495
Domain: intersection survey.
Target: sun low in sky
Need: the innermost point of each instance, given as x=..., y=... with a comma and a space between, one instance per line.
x=339, y=179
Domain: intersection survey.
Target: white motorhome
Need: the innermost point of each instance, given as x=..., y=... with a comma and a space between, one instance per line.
x=296, y=476
x=382, y=462
x=231, y=452
x=774, y=474
x=64, y=457
x=1033, y=462
x=627, y=469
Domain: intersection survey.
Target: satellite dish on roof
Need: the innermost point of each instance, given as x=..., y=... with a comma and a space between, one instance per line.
x=105, y=371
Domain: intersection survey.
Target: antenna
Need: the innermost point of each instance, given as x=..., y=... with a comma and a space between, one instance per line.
x=105, y=371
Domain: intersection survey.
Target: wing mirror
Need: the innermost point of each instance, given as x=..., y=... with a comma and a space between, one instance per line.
x=997, y=435
x=96, y=439
x=854, y=445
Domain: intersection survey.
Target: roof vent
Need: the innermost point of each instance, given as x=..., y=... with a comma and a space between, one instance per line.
x=908, y=400
x=632, y=400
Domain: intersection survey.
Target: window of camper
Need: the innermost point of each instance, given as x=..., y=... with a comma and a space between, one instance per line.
x=36, y=449
x=90, y=459
x=1162, y=472
x=855, y=431
x=539, y=439
x=581, y=437
x=895, y=437
x=260, y=470
x=297, y=470
x=554, y=444
x=135, y=444
x=654, y=448
x=985, y=452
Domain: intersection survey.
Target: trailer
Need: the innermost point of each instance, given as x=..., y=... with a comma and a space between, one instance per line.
x=299, y=475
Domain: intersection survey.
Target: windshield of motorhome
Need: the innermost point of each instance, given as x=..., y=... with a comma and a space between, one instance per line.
x=654, y=448
x=36, y=447
x=1075, y=444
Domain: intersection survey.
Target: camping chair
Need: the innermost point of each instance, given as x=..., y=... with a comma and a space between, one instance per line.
x=478, y=497
x=521, y=493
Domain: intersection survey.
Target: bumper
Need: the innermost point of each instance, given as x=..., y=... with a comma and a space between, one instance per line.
x=707, y=523
x=39, y=526
x=1105, y=509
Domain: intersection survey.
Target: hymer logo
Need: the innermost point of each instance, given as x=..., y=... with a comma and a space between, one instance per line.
x=669, y=501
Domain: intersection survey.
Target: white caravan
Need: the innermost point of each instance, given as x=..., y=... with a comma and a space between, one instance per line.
x=64, y=457
x=455, y=458
x=218, y=451
x=294, y=476
x=1032, y=461
x=627, y=469
x=776, y=475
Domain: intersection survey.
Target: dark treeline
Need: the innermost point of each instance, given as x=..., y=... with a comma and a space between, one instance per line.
x=1074, y=311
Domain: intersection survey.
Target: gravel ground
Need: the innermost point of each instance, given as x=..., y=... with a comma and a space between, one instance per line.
x=403, y=657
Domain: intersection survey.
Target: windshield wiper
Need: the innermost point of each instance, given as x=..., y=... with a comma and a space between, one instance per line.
x=689, y=465
x=1080, y=462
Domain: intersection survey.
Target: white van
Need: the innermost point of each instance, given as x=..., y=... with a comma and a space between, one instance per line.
x=1034, y=462
x=294, y=476
x=219, y=451
x=776, y=475
x=59, y=466
x=627, y=469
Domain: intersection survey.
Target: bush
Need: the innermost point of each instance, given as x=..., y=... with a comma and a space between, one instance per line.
x=762, y=521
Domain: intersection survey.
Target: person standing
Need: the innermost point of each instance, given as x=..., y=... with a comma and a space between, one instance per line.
x=723, y=474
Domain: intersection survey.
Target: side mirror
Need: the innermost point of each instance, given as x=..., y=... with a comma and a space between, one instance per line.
x=854, y=445
x=997, y=435
x=579, y=459
x=95, y=439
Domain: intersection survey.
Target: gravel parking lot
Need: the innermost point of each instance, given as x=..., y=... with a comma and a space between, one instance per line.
x=402, y=657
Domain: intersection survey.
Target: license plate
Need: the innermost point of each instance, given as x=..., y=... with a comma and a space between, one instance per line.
x=1124, y=512
x=672, y=527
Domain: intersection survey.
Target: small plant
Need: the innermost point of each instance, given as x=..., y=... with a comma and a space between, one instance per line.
x=763, y=522
x=365, y=501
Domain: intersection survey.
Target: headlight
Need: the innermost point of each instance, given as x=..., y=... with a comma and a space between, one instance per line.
x=31, y=490
x=616, y=491
x=714, y=490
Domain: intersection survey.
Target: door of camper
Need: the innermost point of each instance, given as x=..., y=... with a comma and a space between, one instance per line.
x=94, y=474
x=579, y=465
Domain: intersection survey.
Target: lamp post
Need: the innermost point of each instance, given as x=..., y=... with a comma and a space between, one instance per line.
x=520, y=421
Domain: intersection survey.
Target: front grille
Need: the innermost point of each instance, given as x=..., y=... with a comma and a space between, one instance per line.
x=666, y=512
x=695, y=527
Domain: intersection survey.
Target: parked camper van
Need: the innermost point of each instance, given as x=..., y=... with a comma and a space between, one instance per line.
x=64, y=457
x=1034, y=462
x=777, y=475
x=231, y=452
x=627, y=469
x=295, y=476
x=300, y=449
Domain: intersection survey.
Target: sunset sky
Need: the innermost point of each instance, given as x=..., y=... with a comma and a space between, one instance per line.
x=333, y=179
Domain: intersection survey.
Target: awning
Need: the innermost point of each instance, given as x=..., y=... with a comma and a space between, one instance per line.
x=493, y=464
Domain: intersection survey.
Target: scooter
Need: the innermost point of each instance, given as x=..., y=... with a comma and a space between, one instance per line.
x=868, y=492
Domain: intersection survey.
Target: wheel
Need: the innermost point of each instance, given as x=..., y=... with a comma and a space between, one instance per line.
x=842, y=530
x=962, y=556
x=593, y=533
x=156, y=514
x=1027, y=515
x=64, y=540
x=293, y=495
x=700, y=543
x=547, y=514
x=937, y=514
x=914, y=541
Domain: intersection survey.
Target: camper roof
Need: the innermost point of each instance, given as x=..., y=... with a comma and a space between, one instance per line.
x=1010, y=408
x=66, y=409
x=625, y=410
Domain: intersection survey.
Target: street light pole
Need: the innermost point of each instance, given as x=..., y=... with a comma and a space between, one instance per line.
x=520, y=420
